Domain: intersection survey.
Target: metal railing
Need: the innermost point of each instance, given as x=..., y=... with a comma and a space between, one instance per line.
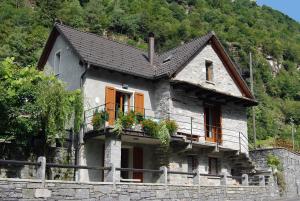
x=193, y=128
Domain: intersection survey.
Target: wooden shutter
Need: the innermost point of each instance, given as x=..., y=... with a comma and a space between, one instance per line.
x=139, y=103
x=110, y=101
x=217, y=122
x=138, y=163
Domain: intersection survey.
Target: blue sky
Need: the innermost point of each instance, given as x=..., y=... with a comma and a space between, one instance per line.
x=288, y=7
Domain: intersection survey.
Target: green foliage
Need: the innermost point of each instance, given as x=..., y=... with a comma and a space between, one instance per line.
x=150, y=127
x=172, y=126
x=34, y=104
x=99, y=119
x=128, y=120
x=274, y=162
x=157, y=130
x=118, y=127
x=163, y=134
x=241, y=25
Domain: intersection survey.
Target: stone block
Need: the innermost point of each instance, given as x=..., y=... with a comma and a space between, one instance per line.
x=28, y=193
x=82, y=193
x=42, y=193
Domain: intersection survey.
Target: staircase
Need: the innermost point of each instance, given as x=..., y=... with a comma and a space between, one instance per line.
x=240, y=163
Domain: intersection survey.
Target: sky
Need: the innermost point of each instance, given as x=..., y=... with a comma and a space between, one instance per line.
x=288, y=7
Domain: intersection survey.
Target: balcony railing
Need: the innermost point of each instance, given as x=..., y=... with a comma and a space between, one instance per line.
x=191, y=128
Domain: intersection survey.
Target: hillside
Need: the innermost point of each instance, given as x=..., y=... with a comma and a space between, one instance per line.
x=242, y=26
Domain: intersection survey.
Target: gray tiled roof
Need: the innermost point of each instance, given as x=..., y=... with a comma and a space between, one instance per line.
x=181, y=54
x=105, y=53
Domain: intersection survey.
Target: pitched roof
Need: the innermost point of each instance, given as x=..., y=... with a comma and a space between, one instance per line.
x=112, y=55
x=172, y=60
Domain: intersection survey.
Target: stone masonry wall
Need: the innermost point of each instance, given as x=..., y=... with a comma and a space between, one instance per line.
x=290, y=162
x=25, y=190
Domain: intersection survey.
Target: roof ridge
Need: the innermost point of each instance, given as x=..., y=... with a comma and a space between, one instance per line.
x=86, y=32
x=192, y=40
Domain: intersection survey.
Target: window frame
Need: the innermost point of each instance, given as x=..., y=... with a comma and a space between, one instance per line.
x=209, y=73
x=56, y=69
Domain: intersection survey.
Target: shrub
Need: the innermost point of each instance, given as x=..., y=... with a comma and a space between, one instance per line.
x=163, y=133
x=127, y=120
x=150, y=127
x=139, y=117
x=99, y=119
x=172, y=126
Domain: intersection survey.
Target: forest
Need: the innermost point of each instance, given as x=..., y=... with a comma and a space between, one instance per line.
x=241, y=25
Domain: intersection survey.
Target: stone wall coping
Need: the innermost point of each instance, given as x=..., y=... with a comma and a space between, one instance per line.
x=274, y=148
x=119, y=183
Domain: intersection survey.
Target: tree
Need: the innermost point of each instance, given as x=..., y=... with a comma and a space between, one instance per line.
x=36, y=105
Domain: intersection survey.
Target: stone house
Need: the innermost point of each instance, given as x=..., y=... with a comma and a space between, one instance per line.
x=196, y=85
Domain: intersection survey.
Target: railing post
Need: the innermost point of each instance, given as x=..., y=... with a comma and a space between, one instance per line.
x=245, y=180
x=240, y=141
x=224, y=178
x=261, y=180
x=197, y=178
x=113, y=175
x=191, y=130
x=41, y=171
x=165, y=174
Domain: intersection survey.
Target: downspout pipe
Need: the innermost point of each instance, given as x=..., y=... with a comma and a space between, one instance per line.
x=79, y=140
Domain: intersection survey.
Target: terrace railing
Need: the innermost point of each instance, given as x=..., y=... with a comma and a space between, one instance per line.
x=164, y=172
x=193, y=128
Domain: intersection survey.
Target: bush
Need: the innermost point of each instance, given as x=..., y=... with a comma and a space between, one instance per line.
x=150, y=127
x=127, y=120
x=172, y=126
x=139, y=117
x=99, y=119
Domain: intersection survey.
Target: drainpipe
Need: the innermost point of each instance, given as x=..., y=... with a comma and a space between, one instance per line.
x=79, y=140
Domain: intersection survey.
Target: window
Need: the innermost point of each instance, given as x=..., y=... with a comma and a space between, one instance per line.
x=119, y=100
x=56, y=63
x=192, y=163
x=209, y=70
x=212, y=166
x=122, y=102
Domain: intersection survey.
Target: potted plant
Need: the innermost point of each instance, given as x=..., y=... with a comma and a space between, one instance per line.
x=100, y=119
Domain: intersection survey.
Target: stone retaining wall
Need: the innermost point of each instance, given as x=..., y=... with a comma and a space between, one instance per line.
x=33, y=190
x=291, y=166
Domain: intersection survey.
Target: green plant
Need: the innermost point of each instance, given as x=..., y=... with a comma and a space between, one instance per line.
x=139, y=117
x=99, y=119
x=280, y=181
x=274, y=162
x=172, y=126
x=128, y=120
x=118, y=127
x=150, y=127
x=163, y=134
x=157, y=130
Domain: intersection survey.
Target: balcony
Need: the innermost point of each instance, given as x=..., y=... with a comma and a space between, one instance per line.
x=186, y=129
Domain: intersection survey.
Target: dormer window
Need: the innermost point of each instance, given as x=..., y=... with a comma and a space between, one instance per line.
x=209, y=71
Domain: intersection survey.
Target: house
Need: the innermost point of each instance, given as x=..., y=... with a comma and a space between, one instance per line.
x=196, y=85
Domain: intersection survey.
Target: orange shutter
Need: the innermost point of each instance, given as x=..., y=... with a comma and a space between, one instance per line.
x=218, y=123
x=139, y=103
x=110, y=102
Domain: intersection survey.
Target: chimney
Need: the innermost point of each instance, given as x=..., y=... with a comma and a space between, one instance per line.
x=151, y=47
